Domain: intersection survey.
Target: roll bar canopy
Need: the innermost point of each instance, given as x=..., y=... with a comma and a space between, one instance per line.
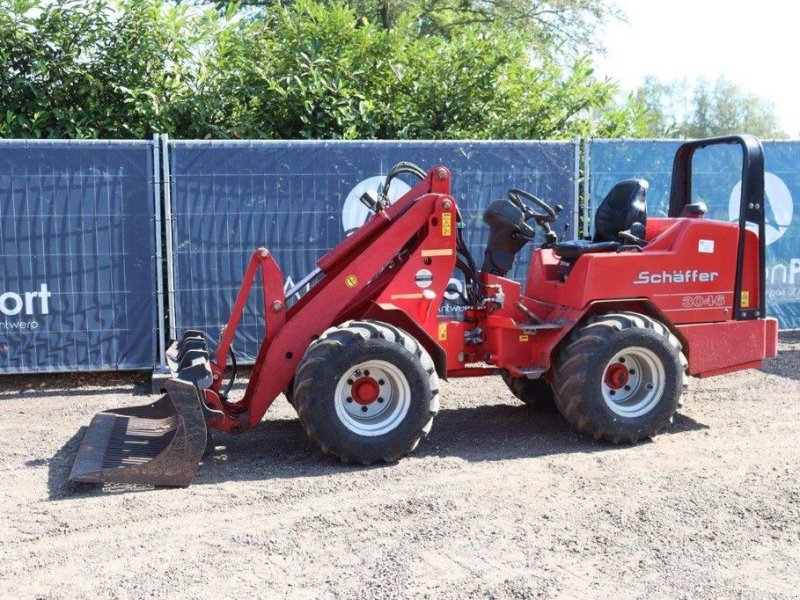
x=751, y=206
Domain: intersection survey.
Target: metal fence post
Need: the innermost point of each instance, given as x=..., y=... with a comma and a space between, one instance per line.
x=587, y=199
x=160, y=368
x=576, y=189
x=167, y=183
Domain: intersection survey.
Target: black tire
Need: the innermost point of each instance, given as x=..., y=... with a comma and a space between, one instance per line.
x=536, y=393
x=338, y=354
x=584, y=394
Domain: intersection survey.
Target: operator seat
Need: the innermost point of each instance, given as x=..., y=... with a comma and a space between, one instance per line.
x=624, y=207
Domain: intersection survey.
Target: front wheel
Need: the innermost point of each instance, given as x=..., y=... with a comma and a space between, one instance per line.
x=620, y=377
x=366, y=391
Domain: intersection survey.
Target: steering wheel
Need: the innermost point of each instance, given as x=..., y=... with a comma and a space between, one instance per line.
x=548, y=216
x=543, y=219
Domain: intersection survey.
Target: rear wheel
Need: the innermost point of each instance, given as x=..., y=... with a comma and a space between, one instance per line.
x=366, y=391
x=620, y=377
x=536, y=393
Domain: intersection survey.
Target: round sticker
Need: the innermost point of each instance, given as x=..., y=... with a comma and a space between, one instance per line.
x=351, y=281
x=424, y=278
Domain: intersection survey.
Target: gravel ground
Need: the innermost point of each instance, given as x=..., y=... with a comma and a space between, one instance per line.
x=497, y=502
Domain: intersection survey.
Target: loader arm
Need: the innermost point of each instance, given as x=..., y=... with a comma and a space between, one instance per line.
x=353, y=273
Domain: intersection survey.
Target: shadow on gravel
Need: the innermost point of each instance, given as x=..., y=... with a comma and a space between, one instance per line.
x=279, y=448
x=789, y=337
x=58, y=467
x=49, y=385
x=787, y=363
x=136, y=390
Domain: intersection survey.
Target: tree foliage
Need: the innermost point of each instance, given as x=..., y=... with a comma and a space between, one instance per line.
x=681, y=109
x=551, y=26
x=302, y=70
x=84, y=69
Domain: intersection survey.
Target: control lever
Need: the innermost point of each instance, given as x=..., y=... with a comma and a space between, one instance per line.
x=550, y=236
x=629, y=237
x=635, y=235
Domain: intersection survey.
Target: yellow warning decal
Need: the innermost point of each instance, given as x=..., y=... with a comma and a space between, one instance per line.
x=745, y=299
x=523, y=338
x=351, y=281
x=447, y=223
x=442, y=332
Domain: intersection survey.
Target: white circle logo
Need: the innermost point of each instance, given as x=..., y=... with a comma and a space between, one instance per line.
x=354, y=213
x=455, y=288
x=778, y=209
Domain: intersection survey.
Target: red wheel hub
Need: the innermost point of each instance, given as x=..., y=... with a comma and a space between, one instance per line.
x=365, y=390
x=616, y=376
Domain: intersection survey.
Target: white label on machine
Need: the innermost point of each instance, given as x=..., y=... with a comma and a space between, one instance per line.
x=706, y=247
x=424, y=278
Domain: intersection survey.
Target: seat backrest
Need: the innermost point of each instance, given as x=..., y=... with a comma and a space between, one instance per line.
x=623, y=206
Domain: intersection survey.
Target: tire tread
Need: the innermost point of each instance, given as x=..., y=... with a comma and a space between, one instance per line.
x=571, y=367
x=336, y=339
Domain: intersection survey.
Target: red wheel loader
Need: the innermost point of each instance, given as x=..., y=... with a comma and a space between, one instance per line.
x=608, y=329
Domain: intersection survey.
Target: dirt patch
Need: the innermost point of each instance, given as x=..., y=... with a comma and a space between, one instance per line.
x=497, y=502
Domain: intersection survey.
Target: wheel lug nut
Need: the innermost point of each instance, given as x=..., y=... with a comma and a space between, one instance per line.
x=381, y=382
x=622, y=359
x=627, y=388
x=632, y=371
x=612, y=392
x=364, y=409
x=366, y=373
x=380, y=400
x=349, y=382
x=349, y=399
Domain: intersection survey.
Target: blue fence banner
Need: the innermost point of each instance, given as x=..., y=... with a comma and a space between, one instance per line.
x=77, y=246
x=716, y=180
x=299, y=199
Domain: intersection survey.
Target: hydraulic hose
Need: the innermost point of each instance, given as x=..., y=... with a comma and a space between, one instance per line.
x=399, y=168
x=233, y=375
x=473, y=280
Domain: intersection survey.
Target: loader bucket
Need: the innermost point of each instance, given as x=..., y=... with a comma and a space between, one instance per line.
x=159, y=443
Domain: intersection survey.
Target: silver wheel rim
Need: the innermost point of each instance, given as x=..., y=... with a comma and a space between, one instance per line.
x=633, y=382
x=389, y=404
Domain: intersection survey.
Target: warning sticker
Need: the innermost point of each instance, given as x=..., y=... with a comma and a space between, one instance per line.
x=442, y=332
x=745, y=300
x=447, y=223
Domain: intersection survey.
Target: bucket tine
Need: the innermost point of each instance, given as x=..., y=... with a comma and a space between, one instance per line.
x=157, y=444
